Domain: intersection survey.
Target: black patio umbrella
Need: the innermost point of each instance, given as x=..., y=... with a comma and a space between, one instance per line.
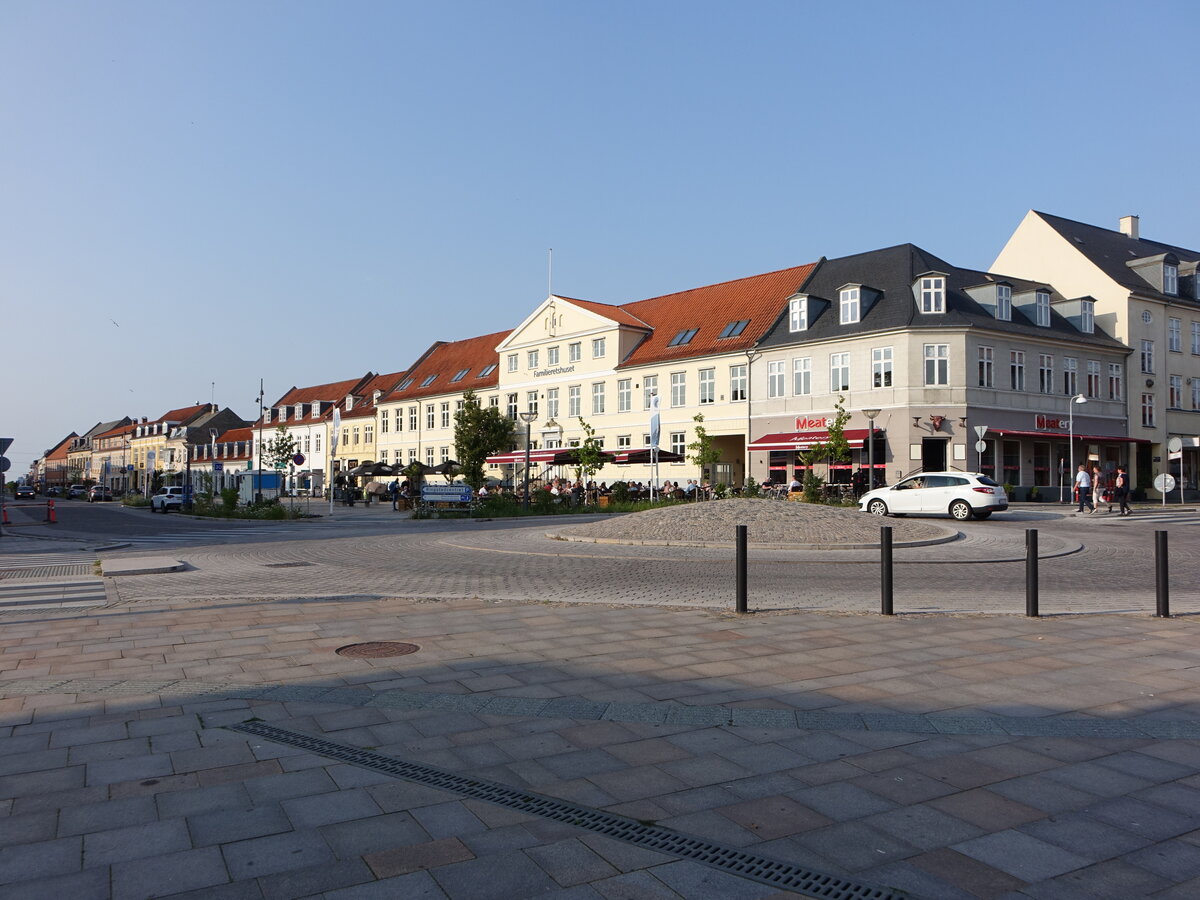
x=372, y=469
x=642, y=457
x=449, y=467
x=570, y=457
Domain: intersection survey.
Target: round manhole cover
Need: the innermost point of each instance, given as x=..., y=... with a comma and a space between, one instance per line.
x=376, y=649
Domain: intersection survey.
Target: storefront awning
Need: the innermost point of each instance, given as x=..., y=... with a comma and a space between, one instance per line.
x=805, y=440
x=540, y=457
x=1062, y=435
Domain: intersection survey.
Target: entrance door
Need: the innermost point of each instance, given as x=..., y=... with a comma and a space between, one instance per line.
x=933, y=454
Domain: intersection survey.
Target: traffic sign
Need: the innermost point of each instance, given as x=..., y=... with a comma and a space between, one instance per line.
x=218, y=466
x=980, y=446
x=5, y=443
x=129, y=468
x=980, y=431
x=5, y=463
x=1164, y=483
x=298, y=459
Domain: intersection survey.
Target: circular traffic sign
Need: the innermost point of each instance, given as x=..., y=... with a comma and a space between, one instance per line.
x=1164, y=483
x=5, y=463
x=980, y=446
x=298, y=459
x=1174, y=444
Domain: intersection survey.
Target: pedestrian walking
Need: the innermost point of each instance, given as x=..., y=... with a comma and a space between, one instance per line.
x=1122, y=490
x=1083, y=487
x=1097, y=489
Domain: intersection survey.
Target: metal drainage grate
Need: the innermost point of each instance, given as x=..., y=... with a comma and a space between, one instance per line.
x=728, y=859
x=285, y=565
x=376, y=649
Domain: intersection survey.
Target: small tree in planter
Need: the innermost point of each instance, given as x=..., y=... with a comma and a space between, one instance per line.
x=591, y=456
x=706, y=454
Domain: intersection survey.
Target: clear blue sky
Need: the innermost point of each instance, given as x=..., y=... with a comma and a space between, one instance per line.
x=305, y=191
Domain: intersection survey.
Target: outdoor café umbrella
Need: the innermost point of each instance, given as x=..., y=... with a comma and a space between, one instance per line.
x=449, y=467
x=570, y=457
x=372, y=469
x=642, y=457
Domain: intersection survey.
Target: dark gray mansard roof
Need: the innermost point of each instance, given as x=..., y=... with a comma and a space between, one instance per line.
x=1111, y=251
x=892, y=272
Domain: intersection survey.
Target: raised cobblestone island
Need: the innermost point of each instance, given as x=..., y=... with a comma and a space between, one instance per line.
x=768, y=523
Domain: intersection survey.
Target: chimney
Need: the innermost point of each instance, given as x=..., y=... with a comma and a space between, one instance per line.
x=1129, y=226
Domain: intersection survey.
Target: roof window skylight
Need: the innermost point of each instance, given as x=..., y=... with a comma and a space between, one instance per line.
x=733, y=329
x=684, y=337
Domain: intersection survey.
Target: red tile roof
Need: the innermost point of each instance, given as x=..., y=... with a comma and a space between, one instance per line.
x=113, y=432
x=323, y=393
x=445, y=360
x=181, y=416
x=758, y=298
x=366, y=407
x=616, y=313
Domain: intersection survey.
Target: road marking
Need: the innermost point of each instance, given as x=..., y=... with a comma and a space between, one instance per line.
x=62, y=594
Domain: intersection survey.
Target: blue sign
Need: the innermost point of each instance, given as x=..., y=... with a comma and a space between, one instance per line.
x=218, y=466
x=129, y=468
x=446, y=493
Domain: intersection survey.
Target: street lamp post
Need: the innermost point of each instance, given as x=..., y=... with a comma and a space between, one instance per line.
x=212, y=454
x=1078, y=398
x=527, y=417
x=870, y=414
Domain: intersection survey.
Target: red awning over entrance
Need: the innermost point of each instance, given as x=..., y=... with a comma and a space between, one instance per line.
x=1062, y=435
x=804, y=440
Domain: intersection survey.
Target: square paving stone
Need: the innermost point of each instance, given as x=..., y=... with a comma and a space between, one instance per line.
x=43, y=859
x=773, y=817
x=285, y=785
x=1147, y=819
x=1022, y=856
x=977, y=878
x=173, y=873
x=1082, y=834
x=276, y=853
x=313, y=880
x=570, y=862
x=923, y=826
x=223, y=826
x=1173, y=860
x=352, y=839
x=134, y=768
x=101, y=848
x=1111, y=880
x=413, y=858
x=852, y=846
x=447, y=820
x=502, y=875
x=417, y=886
x=986, y=809
x=29, y=828
x=841, y=801
x=325, y=809
x=694, y=880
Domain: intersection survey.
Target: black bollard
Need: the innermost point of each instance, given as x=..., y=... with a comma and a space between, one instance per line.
x=1031, y=572
x=1163, y=597
x=885, y=565
x=741, y=568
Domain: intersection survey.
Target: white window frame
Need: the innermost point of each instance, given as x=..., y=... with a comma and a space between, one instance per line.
x=882, y=364
x=1087, y=317
x=1175, y=392
x=413, y=413
x=1196, y=335
x=1041, y=301
x=1046, y=373
x=1170, y=279
x=937, y=365
x=1004, y=302
x=575, y=351
x=649, y=389
x=1175, y=335
x=1148, y=410
x=598, y=403
x=987, y=367
x=430, y=416
x=739, y=385
x=599, y=347
x=802, y=376
x=679, y=442
x=531, y=402
x=839, y=372
x=574, y=401
x=531, y=359
x=1147, y=357
x=1196, y=393
x=850, y=302
x=552, y=356
x=798, y=314
x=933, y=294
x=1116, y=381
x=776, y=378
x=625, y=395
x=1070, y=376
x=1016, y=370
x=678, y=389
x=708, y=386
x=514, y=362
x=552, y=403
x=1093, y=386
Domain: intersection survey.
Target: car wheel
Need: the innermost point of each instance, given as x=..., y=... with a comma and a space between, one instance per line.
x=877, y=508
x=984, y=514
x=961, y=510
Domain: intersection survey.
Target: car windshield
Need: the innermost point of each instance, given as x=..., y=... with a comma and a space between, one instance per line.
x=983, y=479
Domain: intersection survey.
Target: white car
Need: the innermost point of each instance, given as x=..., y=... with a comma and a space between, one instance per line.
x=961, y=495
x=166, y=498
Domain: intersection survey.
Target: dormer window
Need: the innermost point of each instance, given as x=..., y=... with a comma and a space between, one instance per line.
x=1087, y=317
x=798, y=314
x=850, y=301
x=1042, y=309
x=684, y=337
x=459, y=375
x=1004, y=302
x=1170, y=278
x=933, y=295
x=428, y=380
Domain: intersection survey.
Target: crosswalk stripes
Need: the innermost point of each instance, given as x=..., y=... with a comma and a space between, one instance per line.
x=40, y=560
x=73, y=593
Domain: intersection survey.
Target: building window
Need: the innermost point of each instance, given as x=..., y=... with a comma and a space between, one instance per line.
x=429, y=456
x=1116, y=378
x=986, y=367
x=798, y=314
x=446, y=415
x=552, y=403
x=1045, y=373
x=678, y=388
x=802, y=376
x=429, y=379
x=574, y=352
x=684, y=337
x=839, y=372
x=486, y=370
x=776, y=378
x=625, y=395
x=355, y=434
x=513, y=362
x=933, y=295
x=1087, y=317
x=733, y=329
x=679, y=442
x=737, y=382
x=532, y=359
x=1196, y=393
x=494, y=401
x=368, y=434
x=649, y=389
x=624, y=441
x=1042, y=305
x=412, y=418
x=574, y=402
x=1147, y=318
x=552, y=356
x=1175, y=391
x=597, y=398
x=1070, y=376
x=1004, y=302
x=1170, y=279
x=1148, y=410
x=1016, y=370
x=881, y=367
x=1148, y=357
x=598, y=348
x=1093, y=378
x=850, y=305
x=511, y=401
x=937, y=364
x=317, y=442
x=383, y=421
x=531, y=402
x=708, y=386
x=459, y=375
x=429, y=416
x=1175, y=335
x=445, y=454
x=1196, y=334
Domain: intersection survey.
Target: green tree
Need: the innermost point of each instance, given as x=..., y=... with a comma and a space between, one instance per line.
x=706, y=453
x=478, y=433
x=278, y=451
x=591, y=456
x=835, y=449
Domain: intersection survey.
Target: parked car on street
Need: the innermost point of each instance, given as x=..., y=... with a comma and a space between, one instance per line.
x=99, y=492
x=166, y=498
x=961, y=495
x=25, y=492
x=76, y=491
x=54, y=491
